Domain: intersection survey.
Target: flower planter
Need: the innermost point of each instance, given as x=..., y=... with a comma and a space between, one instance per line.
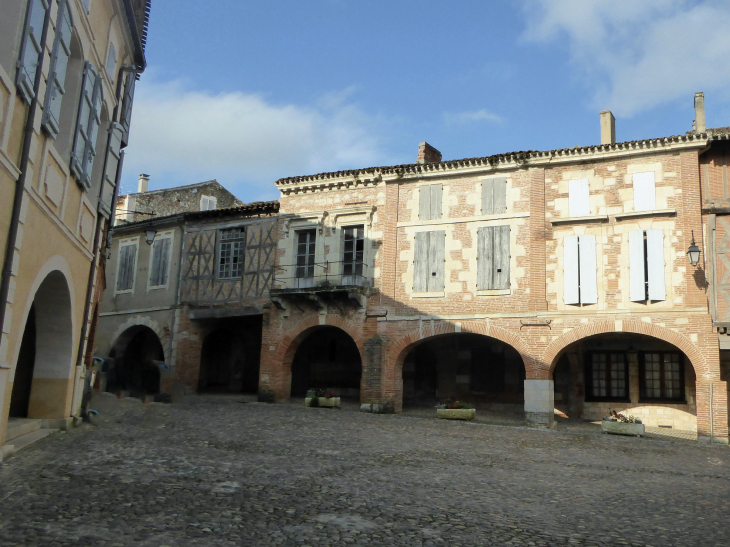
x=456, y=413
x=623, y=428
x=323, y=402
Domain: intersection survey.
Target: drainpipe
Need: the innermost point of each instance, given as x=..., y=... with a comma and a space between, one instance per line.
x=7, y=272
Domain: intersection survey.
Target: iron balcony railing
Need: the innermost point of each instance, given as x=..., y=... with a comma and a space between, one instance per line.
x=322, y=275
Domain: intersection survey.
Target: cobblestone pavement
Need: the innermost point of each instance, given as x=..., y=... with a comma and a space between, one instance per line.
x=217, y=472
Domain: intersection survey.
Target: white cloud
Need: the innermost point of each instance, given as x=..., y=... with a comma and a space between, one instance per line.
x=461, y=118
x=635, y=55
x=182, y=136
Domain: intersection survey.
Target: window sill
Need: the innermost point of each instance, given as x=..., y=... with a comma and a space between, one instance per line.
x=652, y=213
x=579, y=220
x=494, y=292
x=428, y=294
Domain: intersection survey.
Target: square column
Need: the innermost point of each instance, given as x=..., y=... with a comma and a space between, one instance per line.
x=539, y=403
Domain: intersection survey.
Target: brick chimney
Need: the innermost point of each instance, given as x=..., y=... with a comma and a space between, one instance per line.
x=699, y=124
x=143, y=183
x=608, y=127
x=428, y=154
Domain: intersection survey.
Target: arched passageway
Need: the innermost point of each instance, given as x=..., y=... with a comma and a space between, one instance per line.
x=327, y=358
x=42, y=378
x=467, y=367
x=630, y=373
x=135, y=362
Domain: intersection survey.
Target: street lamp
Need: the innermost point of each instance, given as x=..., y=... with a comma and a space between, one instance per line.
x=693, y=252
x=150, y=234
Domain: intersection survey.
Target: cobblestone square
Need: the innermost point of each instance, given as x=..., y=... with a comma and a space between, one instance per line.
x=220, y=471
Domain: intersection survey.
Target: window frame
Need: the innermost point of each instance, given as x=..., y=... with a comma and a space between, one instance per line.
x=643, y=397
x=127, y=242
x=208, y=199
x=588, y=377
x=169, y=234
x=221, y=241
x=353, y=263
x=307, y=255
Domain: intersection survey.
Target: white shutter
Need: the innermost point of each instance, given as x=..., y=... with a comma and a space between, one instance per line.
x=655, y=264
x=588, y=270
x=571, y=292
x=637, y=288
x=436, y=253
x=424, y=203
x=420, y=261
x=57, y=72
x=578, y=198
x=644, y=194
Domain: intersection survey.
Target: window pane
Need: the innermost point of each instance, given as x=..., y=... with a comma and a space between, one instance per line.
x=618, y=375
x=672, y=388
x=652, y=375
x=306, y=241
x=599, y=375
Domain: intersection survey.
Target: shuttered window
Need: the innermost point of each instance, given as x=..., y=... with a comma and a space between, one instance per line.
x=580, y=271
x=353, y=250
x=644, y=192
x=208, y=203
x=646, y=265
x=428, y=263
x=661, y=375
x=160, y=261
x=125, y=117
x=494, y=196
x=493, y=257
x=30, y=48
x=429, y=202
x=87, y=127
x=109, y=178
x=306, y=245
x=578, y=198
x=230, y=253
x=126, y=266
x=56, y=89
x=607, y=376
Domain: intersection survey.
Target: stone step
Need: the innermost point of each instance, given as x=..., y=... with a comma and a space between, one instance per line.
x=21, y=426
x=23, y=441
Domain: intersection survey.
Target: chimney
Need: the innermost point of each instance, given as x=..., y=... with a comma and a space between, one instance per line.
x=608, y=127
x=428, y=154
x=143, y=183
x=699, y=124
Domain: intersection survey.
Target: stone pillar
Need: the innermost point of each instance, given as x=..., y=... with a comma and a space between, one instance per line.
x=372, y=396
x=539, y=403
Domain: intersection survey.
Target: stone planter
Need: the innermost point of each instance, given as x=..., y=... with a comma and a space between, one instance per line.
x=621, y=428
x=467, y=414
x=323, y=402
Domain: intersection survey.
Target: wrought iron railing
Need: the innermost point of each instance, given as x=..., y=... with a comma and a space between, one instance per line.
x=324, y=275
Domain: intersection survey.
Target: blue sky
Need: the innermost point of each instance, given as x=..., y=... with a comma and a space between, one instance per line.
x=248, y=92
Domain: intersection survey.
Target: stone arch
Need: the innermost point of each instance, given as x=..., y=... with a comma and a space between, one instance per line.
x=555, y=348
x=142, y=321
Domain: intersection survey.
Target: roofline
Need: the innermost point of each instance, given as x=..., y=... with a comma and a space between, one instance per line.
x=139, y=36
x=195, y=184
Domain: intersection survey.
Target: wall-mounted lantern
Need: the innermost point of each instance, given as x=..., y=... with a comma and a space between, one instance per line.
x=693, y=252
x=150, y=234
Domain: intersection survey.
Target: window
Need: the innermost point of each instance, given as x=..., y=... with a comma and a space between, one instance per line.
x=493, y=258
x=31, y=48
x=646, y=265
x=87, y=127
x=208, y=203
x=111, y=61
x=607, y=376
x=56, y=87
x=126, y=266
x=644, y=194
x=306, y=244
x=230, y=253
x=429, y=202
x=428, y=270
x=662, y=376
x=353, y=253
x=579, y=276
x=160, y=261
x=578, y=198
x=494, y=196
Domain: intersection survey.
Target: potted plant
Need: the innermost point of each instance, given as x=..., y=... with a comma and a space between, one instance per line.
x=455, y=410
x=322, y=398
x=619, y=424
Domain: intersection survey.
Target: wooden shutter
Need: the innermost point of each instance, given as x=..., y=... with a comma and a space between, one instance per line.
x=30, y=48
x=588, y=270
x=655, y=264
x=424, y=202
x=81, y=135
x=109, y=178
x=637, y=275
x=111, y=61
x=488, y=197
x=436, y=252
x=93, y=127
x=578, y=198
x=155, y=263
x=420, y=262
x=57, y=72
x=436, y=194
x=501, y=257
x=644, y=192
x=125, y=275
x=125, y=117
x=571, y=289
x=485, y=258
x=500, y=195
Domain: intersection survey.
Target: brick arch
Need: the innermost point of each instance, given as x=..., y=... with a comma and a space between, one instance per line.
x=555, y=348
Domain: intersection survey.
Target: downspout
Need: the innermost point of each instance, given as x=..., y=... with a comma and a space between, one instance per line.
x=7, y=272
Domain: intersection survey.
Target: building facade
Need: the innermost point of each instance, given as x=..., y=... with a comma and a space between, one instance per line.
x=67, y=75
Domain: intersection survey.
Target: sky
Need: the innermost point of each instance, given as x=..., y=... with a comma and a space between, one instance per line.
x=248, y=92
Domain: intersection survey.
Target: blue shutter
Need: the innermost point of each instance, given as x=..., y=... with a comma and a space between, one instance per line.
x=30, y=48
x=86, y=105
x=113, y=153
x=57, y=73
x=125, y=117
x=94, y=122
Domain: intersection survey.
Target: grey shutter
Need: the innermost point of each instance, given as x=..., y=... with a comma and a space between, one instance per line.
x=644, y=192
x=57, y=73
x=579, y=198
x=420, y=262
x=571, y=290
x=111, y=61
x=637, y=279
x=485, y=258
x=165, y=260
x=155, y=263
x=94, y=122
x=436, y=251
x=501, y=257
x=113, y=154
x=125, y=277
x=30, y=48
x=588, y=270
x=125, y=117
x=86, y=105
x=500, y=195
x=488, y=197
x=655, y=264
x=424, y=203
x=436, y=193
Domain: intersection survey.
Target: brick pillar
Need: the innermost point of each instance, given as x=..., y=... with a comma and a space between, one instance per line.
x=275, y=365
x=539, y=230
x=539, y=403
x=689, y=220
x=717, y=429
